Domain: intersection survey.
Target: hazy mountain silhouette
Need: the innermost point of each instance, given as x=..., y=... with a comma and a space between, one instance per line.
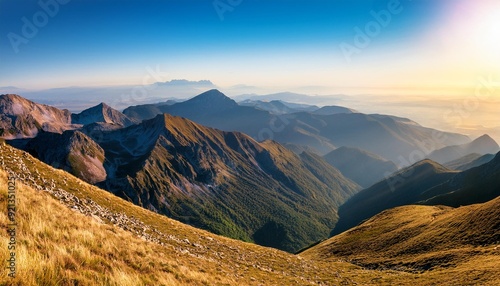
x=391, y=137
x=362, y=167
x=482, y=145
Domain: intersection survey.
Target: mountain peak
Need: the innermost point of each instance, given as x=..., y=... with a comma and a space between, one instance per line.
x=485, y=138
x=10, y=96
x=429, y=165
x=101, y=113
x=213, y=96
x=103, y=105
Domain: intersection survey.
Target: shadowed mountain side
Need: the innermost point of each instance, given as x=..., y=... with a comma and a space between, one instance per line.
x=225, y=182
x=469, y=161
x=404, y=187
x=418, y=238
x=362, y=167
x=75, y=153
x=476, y=185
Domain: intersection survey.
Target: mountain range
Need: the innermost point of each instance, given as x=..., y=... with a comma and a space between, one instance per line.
x=84, y=235
x=390, y=137
x=246, y=186
x=225, y=182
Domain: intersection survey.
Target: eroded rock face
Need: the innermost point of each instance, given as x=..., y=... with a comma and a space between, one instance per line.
x=22, y=118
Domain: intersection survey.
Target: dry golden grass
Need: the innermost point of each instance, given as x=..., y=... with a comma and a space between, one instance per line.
x=459, y=246
x=58, y=246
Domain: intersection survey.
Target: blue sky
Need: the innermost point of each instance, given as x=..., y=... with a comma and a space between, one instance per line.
x=257, y=42
x=423, y=59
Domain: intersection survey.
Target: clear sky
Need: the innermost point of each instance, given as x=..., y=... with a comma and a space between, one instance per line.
x=424, y=45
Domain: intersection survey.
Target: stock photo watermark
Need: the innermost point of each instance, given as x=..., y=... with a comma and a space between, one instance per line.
x=363, y=36
x=32, y=25
x=223, y=6
x=11, y=226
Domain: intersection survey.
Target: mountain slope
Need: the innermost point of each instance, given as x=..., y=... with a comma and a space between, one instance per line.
x=476, y=185
x=70, y=232
x=75, y=153
x=22, y=118
x=362, y=167
x=422, y=238
x=225, y=182
x=101, y=113
x=404, y=187
x=482, y=145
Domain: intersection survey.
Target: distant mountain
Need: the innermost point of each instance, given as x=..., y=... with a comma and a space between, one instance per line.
x=283, y=96
x=329, y=110
x=421, y=239
x=482, y=145
x=75, y=153
x=404, y=187
x=391, y=137
x=145, y=111
x=101, y=113
x=225, y=182
x=469, y=161
x=187, y=83
x=277, y=107
x=22, y=118
x=362, y=167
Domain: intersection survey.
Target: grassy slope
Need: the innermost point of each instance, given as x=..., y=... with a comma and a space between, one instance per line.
x=57, y=245
x=462, y=242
